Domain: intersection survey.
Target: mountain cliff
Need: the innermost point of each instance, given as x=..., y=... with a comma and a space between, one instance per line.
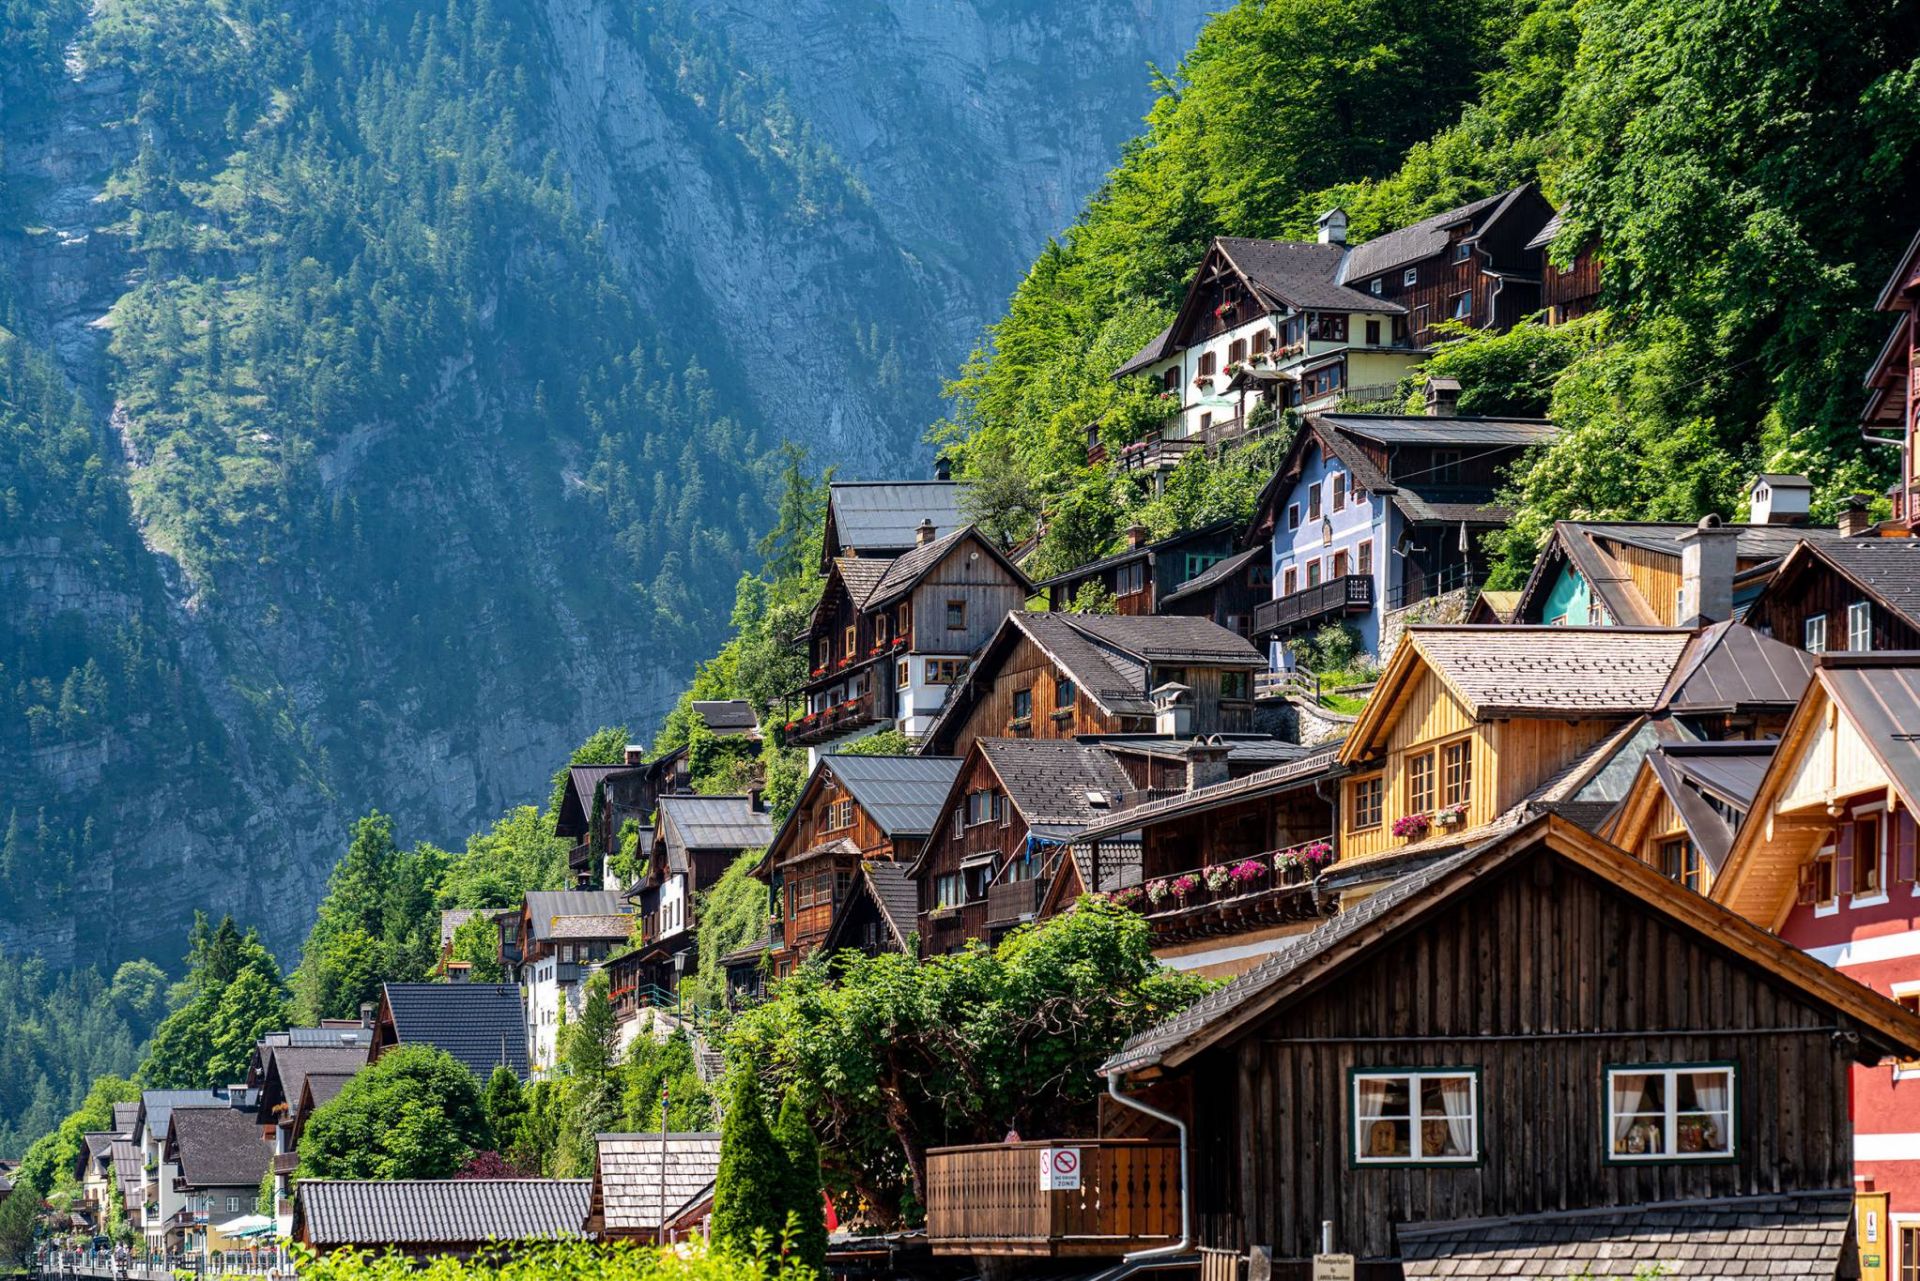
x=392, y=392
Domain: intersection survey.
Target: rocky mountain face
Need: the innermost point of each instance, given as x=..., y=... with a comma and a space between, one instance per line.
x=393, y=391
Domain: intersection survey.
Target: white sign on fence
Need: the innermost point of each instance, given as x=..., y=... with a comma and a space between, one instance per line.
x=1059, y=1169
x=1333, y=1267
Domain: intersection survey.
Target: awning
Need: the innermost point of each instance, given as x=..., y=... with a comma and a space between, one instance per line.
x=986, y=858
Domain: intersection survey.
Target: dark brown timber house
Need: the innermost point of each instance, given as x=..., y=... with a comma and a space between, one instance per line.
x=1535, y=1057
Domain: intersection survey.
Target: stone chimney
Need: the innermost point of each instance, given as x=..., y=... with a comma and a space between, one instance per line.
x=1206, y=762
x=459, y=971
x=1779, y=500
x=1708, y=555
x=923, y=532
x=1333, y=227
x=1443, y=397
x=1136, y=537
x=1854, y=520
x=1173, y=710
x=635, y=754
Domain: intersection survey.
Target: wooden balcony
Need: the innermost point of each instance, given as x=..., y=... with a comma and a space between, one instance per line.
x=849, y=717
x=1156, y=453
x=1335, y=598
x=986, y=1199
x=1011, y=902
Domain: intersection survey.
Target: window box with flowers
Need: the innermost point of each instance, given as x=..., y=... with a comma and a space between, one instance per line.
x=1128, y=897
x=1316, y=854
x=1158, y=892
x=1204, y=382
x=1216, y=877
x=1452, y=815
x=1411, y=826
x=1246, y=873
x=1287, y=863
x=820, y=670
x=1184, y=885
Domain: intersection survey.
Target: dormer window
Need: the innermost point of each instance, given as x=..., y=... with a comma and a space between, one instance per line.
x=1411, y=276
x=1378, y=287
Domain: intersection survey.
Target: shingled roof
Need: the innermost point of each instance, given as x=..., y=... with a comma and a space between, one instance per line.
x=716, y=822
x=1411, y=243
x=288, y=1068
x=480, y=1024
x=125, y=1117
x=1552, y=671
x=218, y=1147
x=1886, y=569
x=158, y=1106
x=1052, y=781
x=1303, y=771
x=547, y=908
x=1798, y=1236
x=331, y=1213
x=860, y=575
x=727, y=716
x=628, y=1177
x=1302, y=273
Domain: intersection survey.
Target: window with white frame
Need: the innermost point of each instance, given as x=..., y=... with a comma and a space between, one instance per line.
x=1859, y=626
x=1408, y=1117
x=1411, y=276
x=1814, y=635
x=1677, y=1112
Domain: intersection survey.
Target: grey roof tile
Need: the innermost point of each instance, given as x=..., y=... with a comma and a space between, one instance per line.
x=1164, y=638
x=1887, y=568
x=727, y=716
x=1421, y=429
x=716, y=822
x=480, y=1024
x=218, y=1147
x=1303, y=273
x=896, y=896
x=449, y=1212
x=159, y=1106
x=902, y=794
x=1049, y=779
x=885, y=514
x=1411, y=243
x=1523, y=670
x=1215, y=574
x=1298, y=772
x=629, y=1172
x=546, y=908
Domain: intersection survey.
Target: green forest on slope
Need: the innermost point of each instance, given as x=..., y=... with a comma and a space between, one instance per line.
x=1748, y=171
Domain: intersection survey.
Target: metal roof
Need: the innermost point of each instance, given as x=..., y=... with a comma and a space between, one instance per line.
x=1421, y=429
x=1730, y=667
x=901, y=794
x=1143, y=552
x=1730, y=772
x=1880, y=693
x=125, y=1117
x=885, y=514
x=727, y=716
x=1244, y=748
x=425, y=1212
x=630, y=1173
x=1411, y=243
x=159, y=1105
x=319, y=1037
x=1168, y=638
x=480, y=1024
x=716, y=822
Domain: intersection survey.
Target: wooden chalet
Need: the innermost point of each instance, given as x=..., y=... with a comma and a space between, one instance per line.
x=1067, y=675
x=1014, y=804
x=1143, y=574
x=1570, y=292
x=889, y=636
x=1825, y=859
x=1159, y=768
x=1685, y=803
x=854, y=811
x=655, y=1188
x=1472, y=729
x=1228, y=593
x=1224, y=872
x=695, y=840
x=1536, y=1057
x=1844, y=595
x=1891, y=415
x=1636, y=573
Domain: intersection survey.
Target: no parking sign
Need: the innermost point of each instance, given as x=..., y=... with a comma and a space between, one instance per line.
x=1059, y=1169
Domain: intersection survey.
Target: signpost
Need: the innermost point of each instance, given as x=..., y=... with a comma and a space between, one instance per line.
x=1333, y=1267
x=1059, y=1169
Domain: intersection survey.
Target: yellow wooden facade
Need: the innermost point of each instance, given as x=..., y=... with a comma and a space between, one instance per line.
x=1647, y=822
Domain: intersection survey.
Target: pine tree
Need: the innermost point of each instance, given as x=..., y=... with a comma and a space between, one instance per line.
x=800, y=1194
x=748, y=1211
x=504, y=1103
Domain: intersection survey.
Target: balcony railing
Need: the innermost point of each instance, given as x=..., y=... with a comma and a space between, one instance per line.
x=1011, y=902
x=987, y=1199
x=1240, y=880
x=1347, y=594
x=846, y=717
x=1417, y=586
x=1156, y=453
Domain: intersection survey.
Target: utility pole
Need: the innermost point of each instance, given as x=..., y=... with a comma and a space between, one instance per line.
x=661, y=1237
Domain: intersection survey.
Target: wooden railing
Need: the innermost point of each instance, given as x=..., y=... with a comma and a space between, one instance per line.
x=987, y=1200
x=1010, y=902
x=1348, y=593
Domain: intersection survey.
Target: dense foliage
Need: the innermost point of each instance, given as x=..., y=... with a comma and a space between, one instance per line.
x=767, y=1193
x=59, y=1032
x=890, y=1056
x=607, y=1262
x=414, y=1114
x=232, y=996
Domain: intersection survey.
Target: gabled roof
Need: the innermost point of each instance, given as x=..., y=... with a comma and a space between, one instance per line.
x=1320, y=955
x=1730, y=667
x=896, y=900
x=1903, y=273
x=321, y=1088
x=1548, y=230
x=859, y=575
x=1424, y=429
x=628, y=1175
x=1310, y=768
x=576, y=799
x=289, y=1066
x=906, y=570
x=480, y=1024
x=125, y=1117
x=1302, y=274
x=1146, y=551
x=883, y=515
x=545, y=909
x=1885, y=569
x=1412, y=243
x=1688, y=774
x=601, y=925
x=127, y=1164
x=901, y=794
x=716, y=822
x=1054, y=782
x=338, y=1032
x=450, y=1212
x=218, y=1147
x=727, y=716
x=1218, y=573
x=1799, y=1236
x=157, y=1106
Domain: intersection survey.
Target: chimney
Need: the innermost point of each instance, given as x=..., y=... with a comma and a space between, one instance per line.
x=1206, y=762
x=923, y=533
x=1443, y=397
x=1708, y=556
x=942, y=467
x=1137, y=536
x=1779, y=500
x=1854, y=520
x=1333, y=227
x=1173, y=710
x=366, y=1014
x=757, y=799
x=459, y=971
x=635, y=754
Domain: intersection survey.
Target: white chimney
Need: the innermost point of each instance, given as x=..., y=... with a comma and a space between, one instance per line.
x=1443, y=397
x=1774, y=499
x=1333, y=227
x=1173, y=710
x=1708, y=557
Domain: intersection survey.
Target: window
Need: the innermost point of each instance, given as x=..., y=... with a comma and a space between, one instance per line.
x=1462, y=251
x=1327, y=326
x=1908, y=1000
x=1866, y=855
x=1377, y=287
x=1022, y=705
x=1293, y=515
x=1236, y=351
x=1063, y=695
x=1170, y=381
x=880, y=636
x=1681, y=863
x=1199, y=563
x=849, y=640
x=1313, y=572
x=1130, y=578
x=1818, y=886
x=1366, y=556
x=1456, y=772
x=1420, y=783
x=1233, y=685
x=1463, y=305
x=1678, y=1113
x=1373, y=333
x=1170, y=676
x=1340, y=567
x=959, y=823
x=1313, y=501
x=1289, y=581
x=1859, y=626
x=905, y=616
x=903, y=674
x=1411, y=276
x=1814, y=632
x=1339, y=491
x=956, y=615
x=1446, y=466
x=1206, y=421
x=840, y=814
x=949, y=890
x=1262, y=341
x=944, y=671
x=984, y=806
x=826, y=651
x=233, y=1205
x=1363, y=802
x=1406, y=1117
x=1205, y=367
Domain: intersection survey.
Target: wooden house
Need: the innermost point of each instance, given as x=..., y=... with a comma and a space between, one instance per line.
x=1065, y=675
x=695, y=840
x=889, y=637
x=1162, y=767
x=1636, y=573
x=1570, y=292
x=560, y=936
x=1370, y=513
x=1825, y=859
x=1014, y=805
x=652, y=1188
x=1224, y=872
x=1471, y=727
x=853, y=811
x=1844, y=595
x=1891, y=415
x=1143, y=574
x=1685, y=803
x=1227, y=593
x=1535, y=1057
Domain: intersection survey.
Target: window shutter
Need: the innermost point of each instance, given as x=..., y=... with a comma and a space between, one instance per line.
x=1903, y=846
x=1807, y=885
x=1843, y=858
